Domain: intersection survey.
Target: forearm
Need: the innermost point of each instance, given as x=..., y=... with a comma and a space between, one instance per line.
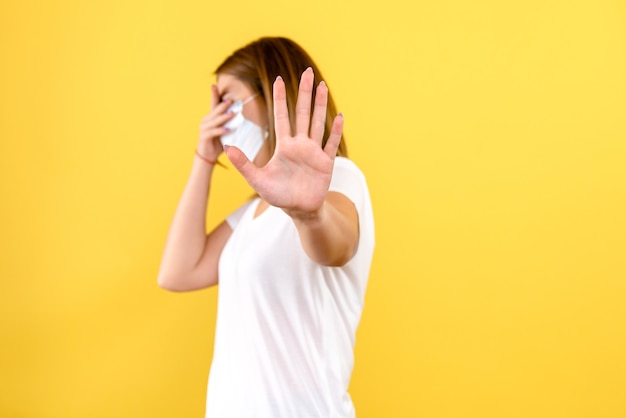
x=186, y=239
x=330, y=235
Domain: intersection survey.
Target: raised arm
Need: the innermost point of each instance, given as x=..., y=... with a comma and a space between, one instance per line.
x=190, y=257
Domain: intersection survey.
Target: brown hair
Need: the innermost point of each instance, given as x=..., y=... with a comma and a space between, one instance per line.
x=260, y=62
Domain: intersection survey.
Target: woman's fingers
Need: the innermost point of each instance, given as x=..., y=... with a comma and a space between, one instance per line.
x=221, y=107
x=335, y=136
x=247, y=169
x=303, y=105
x=318, y=122
x=212, y=125
x=218, y=115
x=281, y=113
x=217, y=120
x=312, y=127
x=215, y=96
x=209, y=133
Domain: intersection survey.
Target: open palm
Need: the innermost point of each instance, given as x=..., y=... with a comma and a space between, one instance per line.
x=298, y=175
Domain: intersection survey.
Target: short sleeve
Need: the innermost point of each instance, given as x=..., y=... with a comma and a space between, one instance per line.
x=349, y=181
x=234, y=218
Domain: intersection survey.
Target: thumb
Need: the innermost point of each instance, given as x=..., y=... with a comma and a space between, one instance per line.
x=240, y=162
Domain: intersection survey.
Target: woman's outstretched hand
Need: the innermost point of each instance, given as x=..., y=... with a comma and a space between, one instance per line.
x=298, y=175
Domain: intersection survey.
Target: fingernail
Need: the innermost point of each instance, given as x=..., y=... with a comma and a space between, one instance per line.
x=226, y=147
x=341, y=114
x=278, y=78
x=308, y=69
x=322, y=83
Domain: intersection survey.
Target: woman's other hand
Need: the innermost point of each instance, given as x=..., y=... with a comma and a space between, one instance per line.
x=212, y=126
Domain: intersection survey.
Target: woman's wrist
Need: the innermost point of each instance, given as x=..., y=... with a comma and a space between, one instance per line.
x=305, y=218
x=207, y=160
x=203, y=158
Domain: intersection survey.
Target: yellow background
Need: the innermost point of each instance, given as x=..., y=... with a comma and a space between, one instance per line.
x=493, y=137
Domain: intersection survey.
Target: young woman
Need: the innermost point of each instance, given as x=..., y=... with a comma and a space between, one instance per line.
x=292, y=263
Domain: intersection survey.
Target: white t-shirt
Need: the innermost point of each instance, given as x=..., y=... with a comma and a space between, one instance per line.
x=285, y=332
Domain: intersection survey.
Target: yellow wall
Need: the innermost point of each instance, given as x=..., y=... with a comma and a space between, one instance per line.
x=493, y=136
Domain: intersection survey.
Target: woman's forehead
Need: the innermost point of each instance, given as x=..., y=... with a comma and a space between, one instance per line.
x=227, y=83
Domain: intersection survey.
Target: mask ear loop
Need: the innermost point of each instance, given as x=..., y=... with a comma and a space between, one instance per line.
x=249, y=99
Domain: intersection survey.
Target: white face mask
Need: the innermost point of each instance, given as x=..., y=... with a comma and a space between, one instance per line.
x=244, y=134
